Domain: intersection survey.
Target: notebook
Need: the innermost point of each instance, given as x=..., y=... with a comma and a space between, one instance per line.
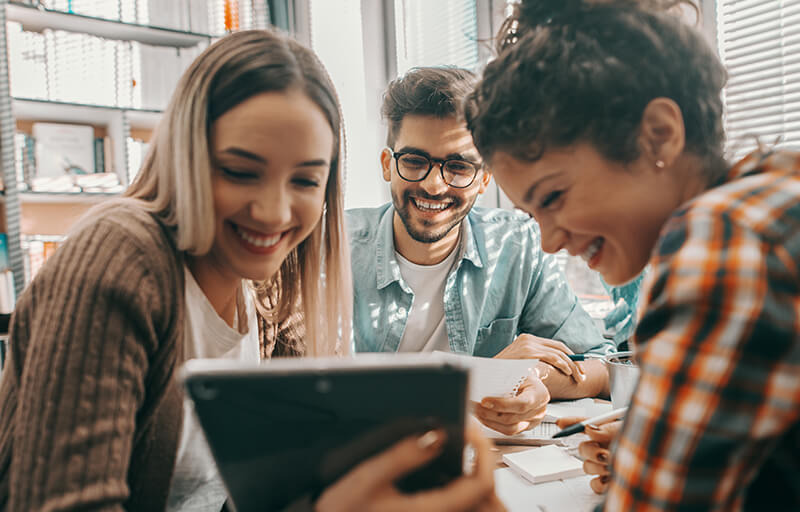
x=492, y=377
x=540, y=435
x=544, y=464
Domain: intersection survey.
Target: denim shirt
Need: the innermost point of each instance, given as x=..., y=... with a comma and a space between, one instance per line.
x=502, y=285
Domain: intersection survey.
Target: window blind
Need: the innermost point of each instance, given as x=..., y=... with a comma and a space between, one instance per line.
x=436, y=33
x=759, y=42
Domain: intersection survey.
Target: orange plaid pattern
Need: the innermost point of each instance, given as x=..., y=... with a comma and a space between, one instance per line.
x=715, y=420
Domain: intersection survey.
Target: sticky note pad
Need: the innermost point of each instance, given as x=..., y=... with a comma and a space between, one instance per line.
x=544, y=464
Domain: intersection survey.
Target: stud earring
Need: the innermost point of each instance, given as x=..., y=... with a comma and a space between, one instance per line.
x=660, y=164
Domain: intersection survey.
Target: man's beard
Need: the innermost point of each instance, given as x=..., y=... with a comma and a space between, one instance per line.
x=434, y=232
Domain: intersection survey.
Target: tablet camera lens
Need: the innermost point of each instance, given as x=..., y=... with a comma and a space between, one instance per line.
x=323, y=386
x=205, y=391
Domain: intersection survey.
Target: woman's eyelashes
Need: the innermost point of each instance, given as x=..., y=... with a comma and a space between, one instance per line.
x=250, y=176
x=550, y=199
x=239, y=175
x=307, y=182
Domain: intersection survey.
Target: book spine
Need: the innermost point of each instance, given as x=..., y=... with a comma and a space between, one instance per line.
x=108, y=159
x=29, y=159
x=99, y=155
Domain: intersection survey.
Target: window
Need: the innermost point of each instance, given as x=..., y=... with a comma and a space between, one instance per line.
x=759, y=43
x=337, y=31
x=436, y=33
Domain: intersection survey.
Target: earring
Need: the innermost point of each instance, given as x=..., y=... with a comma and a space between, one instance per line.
x=660, y=164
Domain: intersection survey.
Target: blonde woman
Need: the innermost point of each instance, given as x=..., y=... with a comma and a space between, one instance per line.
x=242, y=187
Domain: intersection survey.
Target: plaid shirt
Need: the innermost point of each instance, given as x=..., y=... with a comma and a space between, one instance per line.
x=715, y=421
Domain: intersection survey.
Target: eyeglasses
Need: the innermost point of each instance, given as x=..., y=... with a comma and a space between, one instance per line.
x=455, y=172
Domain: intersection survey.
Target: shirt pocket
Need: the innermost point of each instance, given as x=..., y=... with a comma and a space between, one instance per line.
x=496, y=336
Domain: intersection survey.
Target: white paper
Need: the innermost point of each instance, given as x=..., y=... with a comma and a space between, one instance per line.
x=585, y=407
x=540, y=435
x=491, y=377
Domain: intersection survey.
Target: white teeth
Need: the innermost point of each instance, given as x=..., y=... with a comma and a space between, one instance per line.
x=260, y=241
x=427, y=205
x=590, y=251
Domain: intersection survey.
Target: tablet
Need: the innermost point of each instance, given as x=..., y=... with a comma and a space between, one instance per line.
x=284, y=431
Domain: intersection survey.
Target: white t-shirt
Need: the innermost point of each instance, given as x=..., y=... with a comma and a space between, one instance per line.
x=425, y=329
x=196, y=485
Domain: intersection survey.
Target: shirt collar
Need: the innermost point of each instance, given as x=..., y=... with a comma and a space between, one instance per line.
x=470, y=247
x=759, y=161
x=388, y=269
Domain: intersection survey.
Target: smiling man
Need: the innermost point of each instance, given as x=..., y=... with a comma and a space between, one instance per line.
x=434, y=272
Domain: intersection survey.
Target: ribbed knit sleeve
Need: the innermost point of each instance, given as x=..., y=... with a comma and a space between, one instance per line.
x=92, y=340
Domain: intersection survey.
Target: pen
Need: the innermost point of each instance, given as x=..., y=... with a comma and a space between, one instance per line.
x=597, y=420
x=583, y=357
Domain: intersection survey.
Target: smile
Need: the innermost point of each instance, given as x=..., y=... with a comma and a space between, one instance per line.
x=591, y=252
x=257, y=239
x=431, y=206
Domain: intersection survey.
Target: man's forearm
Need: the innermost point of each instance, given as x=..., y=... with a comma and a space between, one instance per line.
x=563, y=386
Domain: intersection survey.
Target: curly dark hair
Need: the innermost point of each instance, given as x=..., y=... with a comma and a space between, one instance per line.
x=578, y=71
x=433, y=91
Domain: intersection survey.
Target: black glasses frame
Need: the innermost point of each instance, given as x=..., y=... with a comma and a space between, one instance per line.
x=431, y=161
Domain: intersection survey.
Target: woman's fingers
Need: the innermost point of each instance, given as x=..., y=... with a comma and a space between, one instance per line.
x=603, y=434
x=600, y=484
x=396, y=461
x=507, y=418
x=594, y=452
x=529, y=405
x=468, y=492
x=593, y=468
x=569, y=420
x=370, y=485
x=508, y=429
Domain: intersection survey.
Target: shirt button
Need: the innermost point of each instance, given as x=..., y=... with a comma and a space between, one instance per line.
x=401, y=311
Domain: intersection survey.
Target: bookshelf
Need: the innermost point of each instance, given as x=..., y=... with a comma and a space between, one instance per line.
x=80, y=64
x=37, y=19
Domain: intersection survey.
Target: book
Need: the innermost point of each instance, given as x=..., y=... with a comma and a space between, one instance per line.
x=63, y=149
x=7, y=293
x=99, y=155
x=4, y=265
x=492, y=377
x=544, y=464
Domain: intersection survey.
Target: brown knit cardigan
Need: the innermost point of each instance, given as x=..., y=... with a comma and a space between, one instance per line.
x=90, y=411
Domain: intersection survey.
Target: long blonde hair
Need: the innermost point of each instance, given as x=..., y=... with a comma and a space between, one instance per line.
x=174, y=181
